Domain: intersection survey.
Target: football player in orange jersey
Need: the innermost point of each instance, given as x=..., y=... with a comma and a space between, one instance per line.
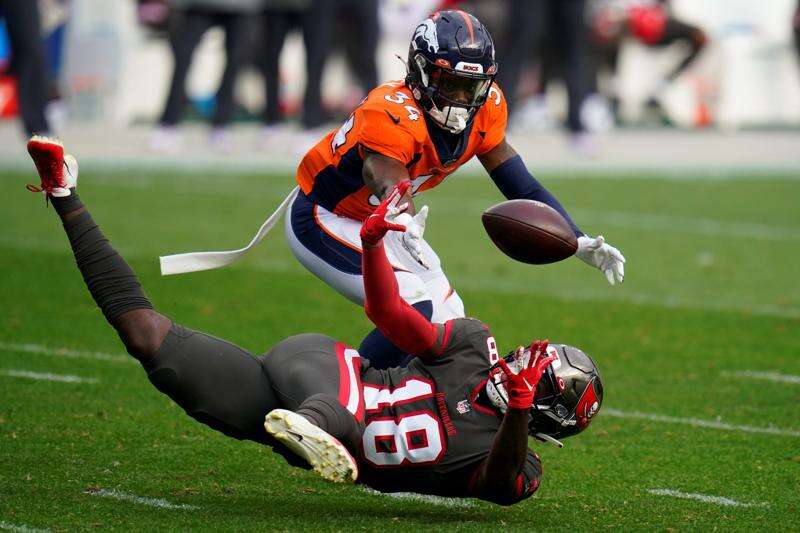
x=446, y=111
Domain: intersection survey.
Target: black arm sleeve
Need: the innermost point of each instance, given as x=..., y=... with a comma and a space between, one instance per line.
x=526, y=484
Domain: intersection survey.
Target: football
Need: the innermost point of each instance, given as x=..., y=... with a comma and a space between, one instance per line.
x=530, y=231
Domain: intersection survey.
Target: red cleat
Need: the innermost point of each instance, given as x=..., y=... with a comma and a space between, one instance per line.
x=58, y=173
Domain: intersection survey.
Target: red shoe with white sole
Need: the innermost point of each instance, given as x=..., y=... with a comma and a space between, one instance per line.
x=58, y=172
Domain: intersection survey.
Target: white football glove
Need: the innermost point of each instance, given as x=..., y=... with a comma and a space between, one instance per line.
x=595, y=252
x=412, y=236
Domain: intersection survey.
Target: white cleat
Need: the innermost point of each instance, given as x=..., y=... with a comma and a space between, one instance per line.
x=326, y=455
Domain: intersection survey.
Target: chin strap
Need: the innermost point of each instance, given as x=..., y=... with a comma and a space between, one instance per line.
x=405, y=64
x=547, y=438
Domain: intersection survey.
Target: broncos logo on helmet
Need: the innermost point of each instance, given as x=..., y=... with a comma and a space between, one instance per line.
x=425, y=35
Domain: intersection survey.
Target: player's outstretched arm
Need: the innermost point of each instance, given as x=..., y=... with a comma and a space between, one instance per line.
x=393, y=316
x=498, y=478
x=511, y=176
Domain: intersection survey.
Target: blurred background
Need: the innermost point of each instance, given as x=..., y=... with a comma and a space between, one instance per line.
x=620, y=82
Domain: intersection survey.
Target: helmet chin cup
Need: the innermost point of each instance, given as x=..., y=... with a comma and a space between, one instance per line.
x=451, y=118
x=543, y=437
x=496, y=391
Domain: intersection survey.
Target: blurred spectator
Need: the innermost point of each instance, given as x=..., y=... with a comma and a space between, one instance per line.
x=653, y=24
x=55, y=15
x=153, y=14
x=796, y=27
x=190, y=20
x=563, y=21
x=28, y=62
x=314, y=19
x=360, y=46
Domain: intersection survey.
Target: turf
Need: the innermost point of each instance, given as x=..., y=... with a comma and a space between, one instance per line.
x=711, y=288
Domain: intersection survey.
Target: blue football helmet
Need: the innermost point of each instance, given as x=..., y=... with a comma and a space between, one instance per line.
x=451, y=67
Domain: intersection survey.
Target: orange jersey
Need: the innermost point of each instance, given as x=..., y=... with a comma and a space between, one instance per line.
x=389, y=122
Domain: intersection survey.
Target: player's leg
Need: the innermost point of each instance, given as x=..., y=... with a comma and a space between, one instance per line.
x=236, y=36
x=28, y=61
x=572, y=37
x=796, y=28
x=276, y=25
x=188, y=29
x=520, y=46
x=693, y=36
x=361, y=47
x=316, y=23
x=677, y=31
x=214, y=381
x=329, y=247
x=318, y=381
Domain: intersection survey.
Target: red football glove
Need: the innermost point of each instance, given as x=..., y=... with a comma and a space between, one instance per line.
x=521, y=387
x=377, y=225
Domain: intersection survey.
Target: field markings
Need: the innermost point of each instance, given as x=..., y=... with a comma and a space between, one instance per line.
x=767, y=376
x=696, y=226
x=39, y=349
x=268, y=164
x=699, y=422
x=634, y=298
x=288, y=266
x=422, y=498
x=706, y=498
x=572, y=295
x=565, y=295
x=140, y=500
x=20, y=528
x=46, y=376
x=655, y=222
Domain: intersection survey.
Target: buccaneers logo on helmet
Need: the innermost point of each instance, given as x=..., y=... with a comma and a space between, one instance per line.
x=568, y=396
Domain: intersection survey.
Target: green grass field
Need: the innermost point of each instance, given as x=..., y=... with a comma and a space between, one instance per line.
x=711, y=292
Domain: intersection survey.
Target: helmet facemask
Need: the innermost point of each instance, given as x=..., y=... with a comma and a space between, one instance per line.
x=453, y=96
x=550, y=416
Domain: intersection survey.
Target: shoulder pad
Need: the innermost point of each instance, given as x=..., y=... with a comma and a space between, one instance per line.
x=397, y=109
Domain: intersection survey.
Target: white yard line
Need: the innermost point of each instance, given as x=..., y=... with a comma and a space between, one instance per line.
x=21, y=529
x=696, y=226
x=569, y=295
x=422, y=498
x=482, y=283
x=141, y=500
x=653, y=222
x=39, y=349
x=767, y=376
x=566, y=295
x=630, y=297
x=267, y=164
x=45, y=376
x=699, y=422
x=717, y=500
